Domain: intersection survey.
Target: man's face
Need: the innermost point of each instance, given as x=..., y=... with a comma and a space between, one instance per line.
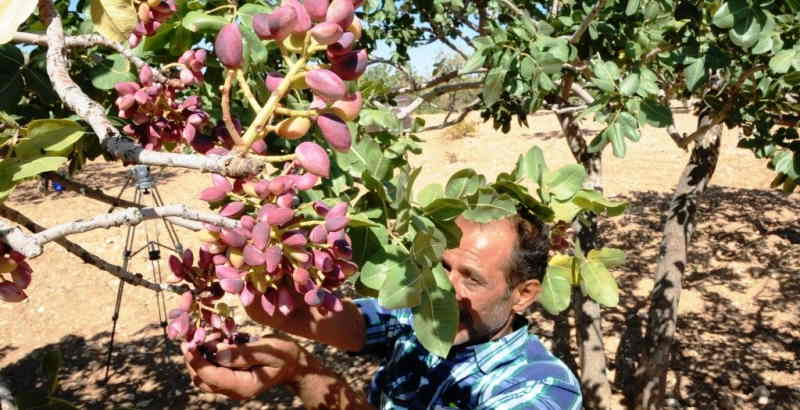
x=478, y=271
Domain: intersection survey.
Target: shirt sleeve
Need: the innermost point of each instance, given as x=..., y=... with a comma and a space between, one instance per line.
x=383, y=327
x=548, y=394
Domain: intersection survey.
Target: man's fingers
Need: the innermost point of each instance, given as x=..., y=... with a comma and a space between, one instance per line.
x=269, y=352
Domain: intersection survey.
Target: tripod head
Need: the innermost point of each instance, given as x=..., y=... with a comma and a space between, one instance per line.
x=141, y=176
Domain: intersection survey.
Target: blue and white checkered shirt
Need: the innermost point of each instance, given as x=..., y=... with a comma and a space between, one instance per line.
x=512, y=373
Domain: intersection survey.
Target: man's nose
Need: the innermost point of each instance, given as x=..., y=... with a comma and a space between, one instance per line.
x=454, y=280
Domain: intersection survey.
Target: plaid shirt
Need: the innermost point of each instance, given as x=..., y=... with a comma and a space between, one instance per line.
x=512, y=373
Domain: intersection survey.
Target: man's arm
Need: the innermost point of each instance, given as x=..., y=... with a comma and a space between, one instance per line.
x=344, y=330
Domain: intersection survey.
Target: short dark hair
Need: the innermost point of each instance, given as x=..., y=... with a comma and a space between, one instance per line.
x=531, y=248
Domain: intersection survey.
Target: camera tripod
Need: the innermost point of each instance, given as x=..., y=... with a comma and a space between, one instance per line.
x=144, y=185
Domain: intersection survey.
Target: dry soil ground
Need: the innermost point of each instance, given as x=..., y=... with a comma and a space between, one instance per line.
x=738, y=325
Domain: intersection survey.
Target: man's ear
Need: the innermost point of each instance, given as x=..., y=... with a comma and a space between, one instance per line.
x=525, y=294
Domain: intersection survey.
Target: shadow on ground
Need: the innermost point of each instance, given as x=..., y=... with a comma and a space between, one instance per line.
x=738, y=337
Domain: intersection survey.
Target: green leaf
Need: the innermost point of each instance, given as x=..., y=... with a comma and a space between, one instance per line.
x=381, y=119
x=247, y=11
x=114, y=19
x=429, y=194
x=197, y=20
x=527, y=67
x=376, y=255
x=630, y=85
x=648, y=83
x=401, y=288
x=106, y=76
x=531, y=165
x=490, y=206
x=49, y=137
x=361, y=220
x=696, y=74
x=462, y=184
x=782, y=61
x=609, y=257
x=11, y=90
x=632, y=7
x=764, y=45
x=474, y=62
x=556, y=289
x=51, y=363
x=629, y=126
x=597, y=203
x=745, y=31
x=564, y=211
x=606, y=73
x=655, y=113
x=613, y=133
x=493, y=86
x=723, y=18
x=255, y=51
x=598, y=283
x=365, y=155
x=15, y=169
x=436, y=316
x=564, y=182
x=444, y=209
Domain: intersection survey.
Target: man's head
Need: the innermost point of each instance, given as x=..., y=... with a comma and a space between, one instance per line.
x=496, y=271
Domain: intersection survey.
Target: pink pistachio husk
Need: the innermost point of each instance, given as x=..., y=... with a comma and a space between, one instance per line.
x=21, y=276
x=232, y=210
x=323, y=260
x=294, y=238
x=326, y=84
x=340, y=12
x=319, y=234
x=332, y=303
x=318, y=103
x=357, y=3
x=247, y=222
x=126, y=88
x=221, y=182
x=187, y=258
x=213, y=194
x=313, y=158
x=253, y=256
x=227, y=272
x=228, y=46
x=234, y=286
x=204, y=259
x=276, y=25
x=348, y=268
x=248, y=294
x=176, y=266
x=351, y=65
x=341, y=46
x=303, y=21
x=232, y=238
x=275, y=216
x=348, y=107
x=326, y=33
x=336, y=223
x=321, y=208
x=259, y=147
x=316, y=9
x=261, y=233
x=335, y=132
x=273, y=256
x=281, y=184
x=339, y=209
x=285, y=301
x=306, y=181
x=268, y=301
x=219, y=259
x=288, y=200
x=314, y=297
x=9, y=292
x=273, y=81
x=146, y=75
x=186, y=301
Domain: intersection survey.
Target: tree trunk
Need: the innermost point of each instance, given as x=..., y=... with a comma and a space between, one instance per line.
x=664, y=298
x=562, y=340
x=594, y=381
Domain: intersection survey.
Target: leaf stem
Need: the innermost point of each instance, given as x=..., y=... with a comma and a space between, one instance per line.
x=273, y=158
x=296, y=113
x=248, y=93
x=226, y=107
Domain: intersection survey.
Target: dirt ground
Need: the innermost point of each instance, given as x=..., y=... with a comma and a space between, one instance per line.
x=738, y=322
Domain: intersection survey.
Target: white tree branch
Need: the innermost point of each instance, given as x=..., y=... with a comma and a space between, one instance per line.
x=110, y=138
x=576, y=37
x=136, y=279
x=31, y=245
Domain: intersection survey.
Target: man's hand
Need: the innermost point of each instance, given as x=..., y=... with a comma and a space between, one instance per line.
x=245, y=371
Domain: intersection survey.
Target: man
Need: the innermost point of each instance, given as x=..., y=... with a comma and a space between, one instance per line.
x=494, y=364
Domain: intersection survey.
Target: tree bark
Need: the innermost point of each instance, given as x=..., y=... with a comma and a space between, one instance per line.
x=665, y=296
x=594, y=381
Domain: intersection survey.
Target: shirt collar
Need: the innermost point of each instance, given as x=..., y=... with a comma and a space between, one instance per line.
x=489, y=355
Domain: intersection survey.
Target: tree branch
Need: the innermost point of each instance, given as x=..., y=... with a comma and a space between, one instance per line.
x=468, y=109
x=99, y=195
x=110, y=138
x=136, y=279
x=87, y=41
x=576, y=37
x=31, y=245
x=443, y=78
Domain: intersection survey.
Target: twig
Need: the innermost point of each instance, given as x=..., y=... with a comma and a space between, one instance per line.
x=398, y=67
x=226, y=108
x=469, y=108
x=110, y=138
x=248, y=93
x=31, y=245
x=99, y=195
x=86, y=41
x=576, y=37
x=136, y=279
